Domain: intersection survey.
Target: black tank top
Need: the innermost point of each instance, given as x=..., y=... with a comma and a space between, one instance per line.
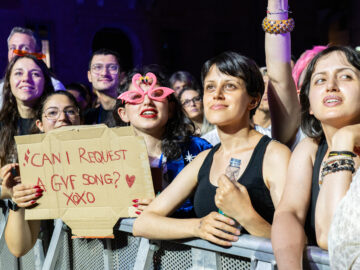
x=310, y=218
x=252, y=179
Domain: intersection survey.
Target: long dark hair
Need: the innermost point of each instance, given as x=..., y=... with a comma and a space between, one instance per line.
x=177, y=130
x=309, y=124
x=9, y=114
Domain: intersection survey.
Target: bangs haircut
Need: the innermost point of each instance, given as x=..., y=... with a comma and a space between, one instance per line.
x=239, y=66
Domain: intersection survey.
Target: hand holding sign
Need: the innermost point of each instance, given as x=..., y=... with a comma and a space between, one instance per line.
x=89, y=174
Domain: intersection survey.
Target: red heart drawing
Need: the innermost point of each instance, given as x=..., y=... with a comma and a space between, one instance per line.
x=130, y=180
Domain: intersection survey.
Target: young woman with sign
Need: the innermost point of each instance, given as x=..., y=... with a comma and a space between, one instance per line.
x=54, y=111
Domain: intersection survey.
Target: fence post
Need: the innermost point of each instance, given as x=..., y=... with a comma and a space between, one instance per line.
x=256, y=264
x=145, y=254
x=54, y=247
x=3, y=219
x=107, y=253
x=38, y=254
x=205, y=259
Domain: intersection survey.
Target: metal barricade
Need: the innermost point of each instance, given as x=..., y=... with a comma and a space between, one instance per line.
x=7, y=260
x=129, y=252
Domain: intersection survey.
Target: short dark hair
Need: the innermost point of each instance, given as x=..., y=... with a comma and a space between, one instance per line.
x=309, y=124
x=105, y=51
x=237, y=65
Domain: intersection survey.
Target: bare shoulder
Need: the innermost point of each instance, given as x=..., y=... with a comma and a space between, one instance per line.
x=307, y=148
x=309, y=143
x=275, y=154
x=277, y=148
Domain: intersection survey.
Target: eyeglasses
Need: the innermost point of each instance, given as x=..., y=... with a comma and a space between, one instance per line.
x=53, y=113
x=194, y=100
x=112, y=68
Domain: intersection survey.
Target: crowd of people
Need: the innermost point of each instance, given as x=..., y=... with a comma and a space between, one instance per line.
x=271, y=152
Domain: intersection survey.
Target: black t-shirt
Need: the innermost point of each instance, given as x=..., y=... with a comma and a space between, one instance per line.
x=25, y=125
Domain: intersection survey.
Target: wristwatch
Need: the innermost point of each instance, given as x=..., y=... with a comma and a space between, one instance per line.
x=13, y=206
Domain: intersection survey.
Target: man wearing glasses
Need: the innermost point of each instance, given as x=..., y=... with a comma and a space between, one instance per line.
x=104, y=75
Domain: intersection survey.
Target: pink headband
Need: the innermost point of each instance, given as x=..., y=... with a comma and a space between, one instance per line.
x=302, y=63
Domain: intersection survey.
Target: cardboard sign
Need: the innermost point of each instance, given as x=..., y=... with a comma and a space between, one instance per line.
x=90, y=175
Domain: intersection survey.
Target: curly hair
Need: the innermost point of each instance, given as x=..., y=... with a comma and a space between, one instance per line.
x=9, y=114
x=309, y=124
x=178, y=129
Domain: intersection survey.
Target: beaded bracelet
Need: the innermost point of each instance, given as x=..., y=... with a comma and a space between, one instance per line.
x=337, y=158
x=333, y=170
x=342, y=153
x=278, y=26
x=336, y=166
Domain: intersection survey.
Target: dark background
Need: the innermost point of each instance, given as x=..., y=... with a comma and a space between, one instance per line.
x=181, y=35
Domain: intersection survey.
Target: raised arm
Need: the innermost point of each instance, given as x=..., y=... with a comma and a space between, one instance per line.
x=154, y=222
x=335, y=185
x=283, y=101
x=287, y=234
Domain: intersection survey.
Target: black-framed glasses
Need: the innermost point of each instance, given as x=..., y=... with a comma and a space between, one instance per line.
x=53, y=113
x=188, y=102
x=112, y=68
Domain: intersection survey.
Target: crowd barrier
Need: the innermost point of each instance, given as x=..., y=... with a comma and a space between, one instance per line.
x=129, y=252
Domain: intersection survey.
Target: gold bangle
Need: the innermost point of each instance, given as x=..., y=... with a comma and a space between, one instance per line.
x=278, y=26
